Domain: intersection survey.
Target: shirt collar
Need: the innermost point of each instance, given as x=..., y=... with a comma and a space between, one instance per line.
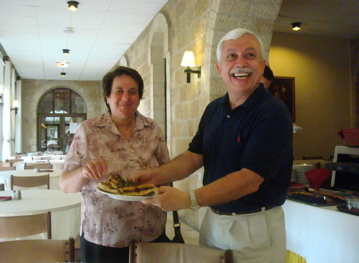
x=105, y=121
x=251, y=101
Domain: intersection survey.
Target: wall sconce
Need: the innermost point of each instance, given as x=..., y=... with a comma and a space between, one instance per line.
x=73, y=5
x=63, y=74
x=296, y=26
x=188, y=61
x=15, y=105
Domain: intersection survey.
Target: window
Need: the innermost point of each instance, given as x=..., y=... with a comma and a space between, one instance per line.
x=59, y=112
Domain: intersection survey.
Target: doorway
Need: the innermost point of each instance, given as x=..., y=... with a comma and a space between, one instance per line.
x=58, y=114
x=56, y=131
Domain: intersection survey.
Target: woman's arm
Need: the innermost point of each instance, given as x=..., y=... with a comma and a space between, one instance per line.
x=73, y=181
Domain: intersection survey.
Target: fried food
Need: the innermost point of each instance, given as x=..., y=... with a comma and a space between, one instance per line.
x=107, y=187
x=117, y=185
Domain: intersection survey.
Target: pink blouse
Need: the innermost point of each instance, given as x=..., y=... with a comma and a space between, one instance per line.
x=106, y=221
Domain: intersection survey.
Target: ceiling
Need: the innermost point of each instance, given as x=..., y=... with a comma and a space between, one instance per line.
x=32, y=34
x=32, y=31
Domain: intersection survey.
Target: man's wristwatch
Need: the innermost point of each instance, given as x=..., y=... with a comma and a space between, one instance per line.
x=194, y=204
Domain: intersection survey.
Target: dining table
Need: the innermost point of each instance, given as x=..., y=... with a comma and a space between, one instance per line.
x=53, y=173
x=56, y=164
x=65, y=209
x=44, y=157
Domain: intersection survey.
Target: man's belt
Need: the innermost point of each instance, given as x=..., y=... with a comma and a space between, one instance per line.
x=265, y=208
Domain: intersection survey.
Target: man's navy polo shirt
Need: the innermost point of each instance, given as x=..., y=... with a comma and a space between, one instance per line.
x=257, y=135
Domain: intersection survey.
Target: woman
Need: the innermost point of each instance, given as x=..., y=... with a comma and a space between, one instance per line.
x=120, y=141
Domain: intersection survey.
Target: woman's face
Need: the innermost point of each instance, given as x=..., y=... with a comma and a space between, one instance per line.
x=124, y=97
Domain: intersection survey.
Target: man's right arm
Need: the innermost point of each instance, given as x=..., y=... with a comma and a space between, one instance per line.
x=175, y=170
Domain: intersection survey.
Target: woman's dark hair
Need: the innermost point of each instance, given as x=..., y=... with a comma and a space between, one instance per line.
x=107, y=81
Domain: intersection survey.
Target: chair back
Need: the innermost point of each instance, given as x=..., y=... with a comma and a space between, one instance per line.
x=44, y=165
x=30, y=181
x=12, y=161
x=26, y=225
x=177, y=253
x=7, y=168
x=37, y=250
x=5, y=164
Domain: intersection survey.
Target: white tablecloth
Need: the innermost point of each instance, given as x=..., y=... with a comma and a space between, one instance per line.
x=56, y=164
x=321, y=234
x=65, y=209
x=54, y=177
x=51, y=157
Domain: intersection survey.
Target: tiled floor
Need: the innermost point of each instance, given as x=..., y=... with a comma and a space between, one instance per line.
x=189, y=234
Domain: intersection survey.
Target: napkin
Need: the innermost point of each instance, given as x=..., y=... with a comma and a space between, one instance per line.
x=5, y=198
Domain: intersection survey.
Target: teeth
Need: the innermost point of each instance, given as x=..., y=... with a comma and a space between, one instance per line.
x=241, y=75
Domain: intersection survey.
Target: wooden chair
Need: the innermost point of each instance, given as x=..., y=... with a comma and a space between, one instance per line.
x=5, y=164
x=44, y=165
x=30, y=181
x=177, y=253
x=20, y=155
x=12, y=161
x=37, y=250
x=25, y=225
x=7, y=168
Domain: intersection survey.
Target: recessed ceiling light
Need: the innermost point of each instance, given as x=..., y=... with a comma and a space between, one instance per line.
x=296, y=26
x=73, y=5
x=62, y=64
x=69, y=30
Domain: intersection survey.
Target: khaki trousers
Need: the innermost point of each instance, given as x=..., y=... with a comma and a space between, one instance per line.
x=254, y=238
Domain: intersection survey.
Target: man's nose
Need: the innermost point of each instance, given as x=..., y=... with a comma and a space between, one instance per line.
x=241, y=62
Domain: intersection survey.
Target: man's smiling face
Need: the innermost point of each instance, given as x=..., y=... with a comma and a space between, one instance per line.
x=241, y=66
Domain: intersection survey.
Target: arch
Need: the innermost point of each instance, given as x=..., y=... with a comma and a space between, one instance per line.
x=160, y=107
x=29, y=131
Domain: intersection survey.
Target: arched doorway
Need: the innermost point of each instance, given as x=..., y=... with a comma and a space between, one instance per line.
x=58, y=114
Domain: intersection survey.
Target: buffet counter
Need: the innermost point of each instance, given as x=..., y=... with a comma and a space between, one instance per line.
x=321, y=234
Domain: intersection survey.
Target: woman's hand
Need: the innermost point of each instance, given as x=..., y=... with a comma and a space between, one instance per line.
x=94, y=169
x=170, y=199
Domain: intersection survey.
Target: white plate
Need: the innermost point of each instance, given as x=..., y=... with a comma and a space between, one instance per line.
x=296, y=128
x=125, y=197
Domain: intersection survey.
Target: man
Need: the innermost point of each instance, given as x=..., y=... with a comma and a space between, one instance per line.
x=267, y=77
x=244, y=142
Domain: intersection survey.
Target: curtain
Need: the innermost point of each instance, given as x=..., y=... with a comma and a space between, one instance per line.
x=7, y=144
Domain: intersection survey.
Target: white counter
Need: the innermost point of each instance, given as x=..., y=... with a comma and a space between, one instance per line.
x=321, y=234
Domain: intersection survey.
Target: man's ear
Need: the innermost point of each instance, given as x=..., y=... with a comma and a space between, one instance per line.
x=218, y=67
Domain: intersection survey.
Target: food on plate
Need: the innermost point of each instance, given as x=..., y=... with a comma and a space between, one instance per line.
x=117, y=185
x=139, y=190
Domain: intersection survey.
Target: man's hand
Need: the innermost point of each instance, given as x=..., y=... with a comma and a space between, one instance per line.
x=94, y=169
x=145, y=177
x=170, y=199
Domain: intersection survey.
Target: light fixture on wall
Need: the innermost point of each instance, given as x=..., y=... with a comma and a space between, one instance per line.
x=188, y=61
x=63, y=74
x=15, y=106
x=73, y=5
x=66, y=51
x=296, y=26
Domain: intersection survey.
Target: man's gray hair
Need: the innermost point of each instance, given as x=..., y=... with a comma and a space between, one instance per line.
x=237, y=33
